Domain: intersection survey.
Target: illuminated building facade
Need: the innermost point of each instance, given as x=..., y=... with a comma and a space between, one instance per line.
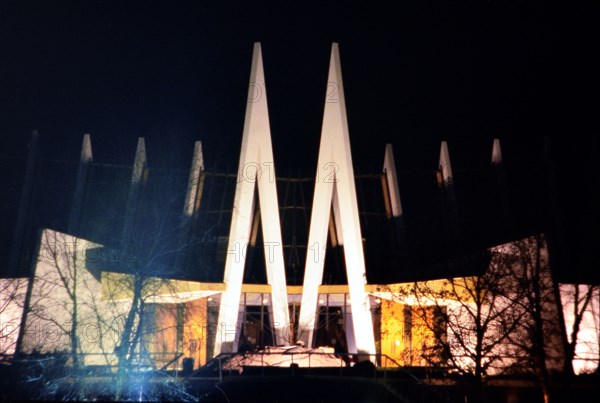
x=265, y=281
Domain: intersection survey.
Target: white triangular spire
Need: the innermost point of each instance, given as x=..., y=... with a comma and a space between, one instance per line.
x=389, y=168
x=193, y=181
x=86, y=150
x=140, y=161
x=445, y=165
x=85, y=159
x=139, y=166
x=335, y=174
x=496, y=153
x=256, y=167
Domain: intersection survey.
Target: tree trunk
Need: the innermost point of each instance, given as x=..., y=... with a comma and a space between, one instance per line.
x=123, y=350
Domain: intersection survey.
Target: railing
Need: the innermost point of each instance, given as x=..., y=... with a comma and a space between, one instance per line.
x=153, y=361
x=349, y=364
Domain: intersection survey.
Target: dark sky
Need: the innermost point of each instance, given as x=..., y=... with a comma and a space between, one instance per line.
x=415, y=74
x=465, y=71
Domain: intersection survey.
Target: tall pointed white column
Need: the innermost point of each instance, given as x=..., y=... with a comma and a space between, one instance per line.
x=447, y=184
x=496, y=153
x=335, y=176
x=506, y=222
x=389, y=169
x=256, y=167
x=137, y=176
x=191, y=205
x=24, y=206
x=445, y=166
x=194, y=181
x=85, y=160
x=393, y=197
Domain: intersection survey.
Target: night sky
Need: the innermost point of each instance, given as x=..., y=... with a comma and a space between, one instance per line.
x=415, y=74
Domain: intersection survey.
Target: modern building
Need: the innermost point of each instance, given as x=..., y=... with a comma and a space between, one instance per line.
x=215, y=262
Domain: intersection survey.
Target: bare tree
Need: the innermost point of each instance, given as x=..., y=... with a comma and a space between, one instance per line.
x=72, y=311
x=52, y=314
x=98, y=303
x=579, y=301
x=506, y=320
x=539, y=338
x=467, y=320
x=12, y=297
x=147, y=256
